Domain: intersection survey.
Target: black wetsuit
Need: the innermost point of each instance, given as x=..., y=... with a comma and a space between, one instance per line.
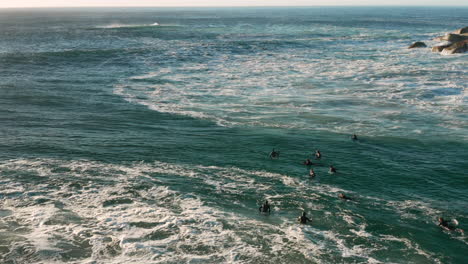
x=274, y=154
x=265, y=208
x=445, y=224
x=303, y=219
x=344, y=197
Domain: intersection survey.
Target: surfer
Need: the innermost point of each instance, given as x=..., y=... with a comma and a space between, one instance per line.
x=445, y=225
x=312, y=173
x=332, y=169
x=303, y=218
x=274, y=154
x=354, y=137
x=343, y=197
x=308, y=162
x=265, y=208
x=318, y=155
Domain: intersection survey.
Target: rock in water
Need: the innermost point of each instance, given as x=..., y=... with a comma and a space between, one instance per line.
x=417, y=44
x=456, y=42
x=461, y=30
x=459, y=47
x=455, y=37
x=441, y=46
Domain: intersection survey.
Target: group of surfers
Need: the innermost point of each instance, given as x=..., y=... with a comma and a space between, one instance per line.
x=318, y=155
x=303, y=219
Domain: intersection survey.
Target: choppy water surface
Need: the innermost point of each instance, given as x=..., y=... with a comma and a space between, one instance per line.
x=142, y=135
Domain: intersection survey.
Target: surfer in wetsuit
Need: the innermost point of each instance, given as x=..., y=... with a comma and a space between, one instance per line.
x=265, y=208
x=308, y=162
x=274, y=154
x=312, y=173
x=318, y=155
x=303, y=218
x=332, y=169
x=354, y=137
x=343, y=197
x=445, y=225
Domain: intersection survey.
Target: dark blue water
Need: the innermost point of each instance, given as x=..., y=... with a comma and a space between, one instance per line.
x=143, y=135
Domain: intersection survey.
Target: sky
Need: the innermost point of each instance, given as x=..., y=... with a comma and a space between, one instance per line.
x=180, y=3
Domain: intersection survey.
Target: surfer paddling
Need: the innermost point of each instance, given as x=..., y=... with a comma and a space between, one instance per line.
x=318, y=155
x=274, y=154
x=312, y=173
x=342, y=196
x=448, y=227
x=265, y=208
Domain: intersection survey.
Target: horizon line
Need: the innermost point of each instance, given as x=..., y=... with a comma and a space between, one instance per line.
x=234, y=6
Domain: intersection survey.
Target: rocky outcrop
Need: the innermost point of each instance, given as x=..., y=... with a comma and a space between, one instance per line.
x=461, y=30
x=417, y=44
x=441, y=46
x=456, y=42
x=454, y=37
x=459, y=47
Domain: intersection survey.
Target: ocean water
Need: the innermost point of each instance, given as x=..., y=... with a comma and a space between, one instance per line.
x=142, y=135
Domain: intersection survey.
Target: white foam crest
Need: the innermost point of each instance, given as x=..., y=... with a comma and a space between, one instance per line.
x=229, y=179
x=213, y=91
x=119, y=25
x=162, y=106
x=356, y=250
x=8, y=188
x=360, y=229
x=109, y=219
x=241, y=174
x=181, y=221
x=408, y=208
x=36, y=166
x=414, y=246
x=119, y=225
x=193, y=226
x=196, y=225
x=316, y=244
x=294, y=237
x=41, y=234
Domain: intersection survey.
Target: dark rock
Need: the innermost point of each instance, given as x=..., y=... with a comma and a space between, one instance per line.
x=440, y=46
x=456, y=42
x=455, y=37
x=459, y=47
x=461, y=30
x=417, y=44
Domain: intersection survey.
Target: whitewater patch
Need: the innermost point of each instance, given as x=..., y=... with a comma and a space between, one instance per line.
x=297, y=91
x=110, y=213
x=119, y=25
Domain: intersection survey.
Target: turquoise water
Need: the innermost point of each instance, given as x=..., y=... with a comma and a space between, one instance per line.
x=143, y=135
